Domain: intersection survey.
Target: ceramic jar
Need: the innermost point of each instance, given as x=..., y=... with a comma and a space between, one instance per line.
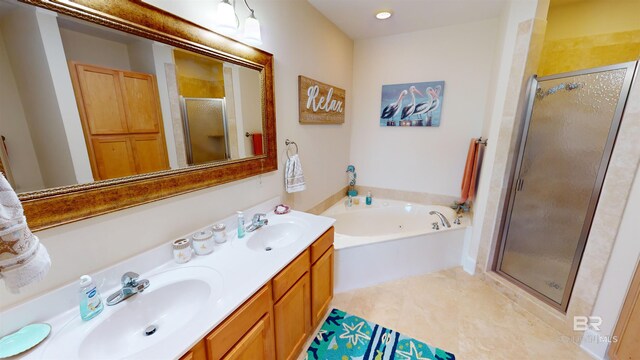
x=203, y=242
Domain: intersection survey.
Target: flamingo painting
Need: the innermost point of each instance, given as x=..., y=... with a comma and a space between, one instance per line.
x=425, y=109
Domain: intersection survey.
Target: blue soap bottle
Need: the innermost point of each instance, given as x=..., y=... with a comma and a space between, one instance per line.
x=90, y=301
x=368, y=199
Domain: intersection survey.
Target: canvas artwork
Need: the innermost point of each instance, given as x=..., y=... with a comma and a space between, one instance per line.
x=412, y=104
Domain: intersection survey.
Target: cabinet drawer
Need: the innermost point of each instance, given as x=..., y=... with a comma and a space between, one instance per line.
x=234, y=328
x=198, y=352
x=289, y=275
x=257, y=344
x=321, y=245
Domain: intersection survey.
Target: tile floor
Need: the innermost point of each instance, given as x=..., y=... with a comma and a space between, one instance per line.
x=459, y=313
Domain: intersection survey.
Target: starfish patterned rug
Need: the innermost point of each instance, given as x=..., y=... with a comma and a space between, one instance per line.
x=347, y=337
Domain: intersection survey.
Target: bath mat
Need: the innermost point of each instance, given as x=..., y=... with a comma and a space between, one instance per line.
x=347, y=337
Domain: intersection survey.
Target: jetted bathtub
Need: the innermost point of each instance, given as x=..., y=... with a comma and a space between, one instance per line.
x=391, y=239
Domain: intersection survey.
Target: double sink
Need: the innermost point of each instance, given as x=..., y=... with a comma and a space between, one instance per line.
x=177, y=300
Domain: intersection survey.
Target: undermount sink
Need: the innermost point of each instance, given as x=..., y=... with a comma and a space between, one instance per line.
x=272, y=237
x=174, y=299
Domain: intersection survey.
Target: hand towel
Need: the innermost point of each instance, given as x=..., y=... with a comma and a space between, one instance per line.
x=468, y=171
x=23, y=259
x=293, y=177
x=477, y=165
x=256, y=140
x=5, y=166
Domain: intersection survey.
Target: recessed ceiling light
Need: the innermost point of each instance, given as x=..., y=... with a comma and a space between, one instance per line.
x=383, y=15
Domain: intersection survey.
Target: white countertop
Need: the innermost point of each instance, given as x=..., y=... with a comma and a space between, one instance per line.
x=243, y=271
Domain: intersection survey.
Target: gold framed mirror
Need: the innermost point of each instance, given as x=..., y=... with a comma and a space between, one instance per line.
x=116, y=174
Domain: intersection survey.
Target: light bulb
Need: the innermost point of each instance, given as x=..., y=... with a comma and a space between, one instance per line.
x=252, y=31
x=383, y=15
x=226, y=18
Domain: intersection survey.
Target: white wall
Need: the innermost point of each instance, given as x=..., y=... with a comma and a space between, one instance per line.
x=93, y=50
x=249, y=85
x=35, y=52
x=514, y=13
x=425, y=159
x=13, y=126
x=308, y=44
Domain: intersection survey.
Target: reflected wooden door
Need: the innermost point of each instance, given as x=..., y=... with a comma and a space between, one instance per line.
x=101, y=94
x=149, y=153
x=141, y=107
x=627, y=332
x=121, y=120
x=113, y=157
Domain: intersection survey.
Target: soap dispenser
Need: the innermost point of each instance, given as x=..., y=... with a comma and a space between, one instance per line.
x=90, y=301
x=240, y=224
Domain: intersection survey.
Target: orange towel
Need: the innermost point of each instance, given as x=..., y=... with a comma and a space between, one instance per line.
x=258, y=149
x=469, y=178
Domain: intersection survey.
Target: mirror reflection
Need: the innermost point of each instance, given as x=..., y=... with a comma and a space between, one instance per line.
x=82, y=103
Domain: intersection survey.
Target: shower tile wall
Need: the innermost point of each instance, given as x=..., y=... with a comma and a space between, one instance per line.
x=616, y=189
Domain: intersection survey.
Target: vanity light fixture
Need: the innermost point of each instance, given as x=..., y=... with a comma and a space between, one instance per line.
x=252, y=28
x=226, y=19
x=383, y=15
x=228, y=23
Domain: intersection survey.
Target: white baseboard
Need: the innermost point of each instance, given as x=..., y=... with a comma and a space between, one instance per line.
x=469, y=265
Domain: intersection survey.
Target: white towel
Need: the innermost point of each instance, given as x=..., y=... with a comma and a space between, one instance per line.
x=293, y=177
x=23, y=259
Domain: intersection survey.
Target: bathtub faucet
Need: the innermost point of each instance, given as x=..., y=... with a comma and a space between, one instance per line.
x=443, y=219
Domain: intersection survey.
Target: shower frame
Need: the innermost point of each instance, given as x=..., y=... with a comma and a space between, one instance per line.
x=633, y=68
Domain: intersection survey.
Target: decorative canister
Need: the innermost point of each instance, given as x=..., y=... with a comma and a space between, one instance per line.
x=182, y=251
x=203, y=242
x=219, y=233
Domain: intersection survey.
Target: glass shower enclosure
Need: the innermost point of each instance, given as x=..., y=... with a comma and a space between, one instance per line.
x=205, y=129
x=565, y=145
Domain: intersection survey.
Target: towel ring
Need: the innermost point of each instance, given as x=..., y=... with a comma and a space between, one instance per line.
x=288, y=142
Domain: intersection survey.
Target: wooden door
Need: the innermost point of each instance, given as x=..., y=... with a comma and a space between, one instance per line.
x=139, y=92
x=198, y=352
x=100, y=100
x=628, y=328
x=149, y=153
x=113, y=157
x=254, y=345
x=293, y=319
x=321, y=286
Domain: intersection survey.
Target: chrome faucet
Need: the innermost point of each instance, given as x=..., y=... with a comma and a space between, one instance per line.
x=257, y=222
x=130, y=286
x=443, y=219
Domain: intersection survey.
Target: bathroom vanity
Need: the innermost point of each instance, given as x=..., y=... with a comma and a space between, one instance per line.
x=256, y=297
x=277, y=320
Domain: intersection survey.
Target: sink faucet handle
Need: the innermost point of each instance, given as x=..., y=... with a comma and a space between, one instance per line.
x=258, y=217
x=129, y=278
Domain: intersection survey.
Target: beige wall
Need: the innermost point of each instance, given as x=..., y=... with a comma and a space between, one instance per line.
x=93, y=50
x=249, y=82
x=307, y=43
x=422, y=159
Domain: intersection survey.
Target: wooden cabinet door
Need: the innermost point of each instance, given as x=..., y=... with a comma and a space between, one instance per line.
x=113, y=157
x=321, y=286
x=628, y=328
x=198, y=352
x=100, y=100
x=149, y=153
x=293, y=319
x=140, y=97
x=255, y=344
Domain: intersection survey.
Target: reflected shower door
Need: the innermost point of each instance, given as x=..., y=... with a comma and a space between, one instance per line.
x=205, y=129
x=565, y=150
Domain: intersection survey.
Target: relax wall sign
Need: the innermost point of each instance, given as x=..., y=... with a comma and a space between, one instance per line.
x=319, y=103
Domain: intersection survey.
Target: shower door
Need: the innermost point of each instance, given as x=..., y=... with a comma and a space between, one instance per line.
x=205, y=129
x=566, y=143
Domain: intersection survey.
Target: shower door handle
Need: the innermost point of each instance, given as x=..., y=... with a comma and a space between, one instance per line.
x=519, y=184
